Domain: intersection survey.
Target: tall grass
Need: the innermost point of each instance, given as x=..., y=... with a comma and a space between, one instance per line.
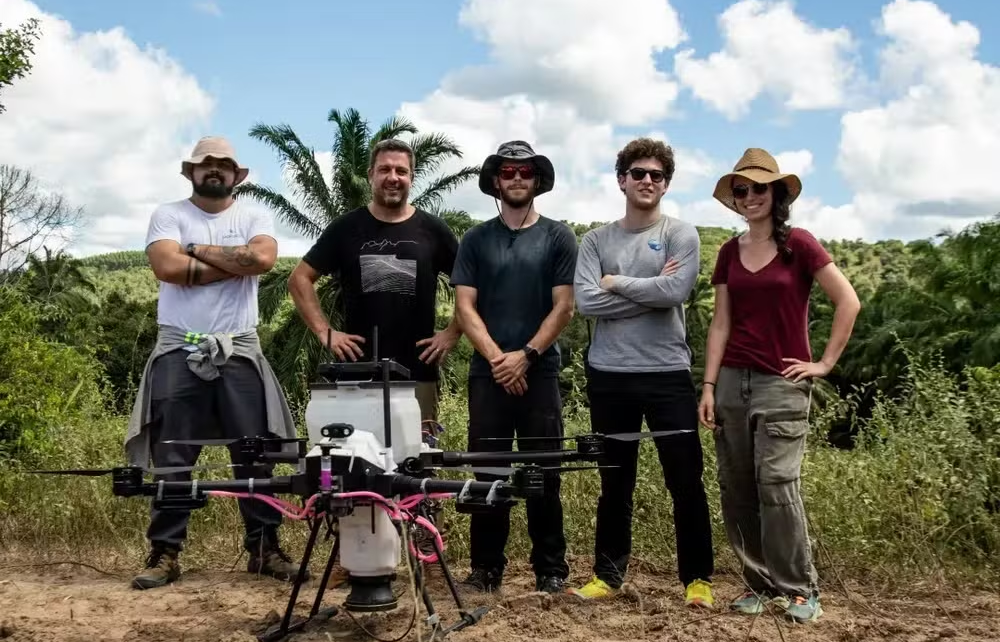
x=917, y=499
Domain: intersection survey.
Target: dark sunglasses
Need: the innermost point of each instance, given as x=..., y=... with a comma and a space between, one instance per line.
x=741, y=191
x=526, y=172
x=639, y=173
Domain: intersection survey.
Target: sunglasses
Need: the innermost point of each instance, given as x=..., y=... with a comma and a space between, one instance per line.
x=639, y=173
x=741, y=191
x=525, y=171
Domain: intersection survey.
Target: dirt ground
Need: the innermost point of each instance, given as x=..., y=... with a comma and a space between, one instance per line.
x=71, y=603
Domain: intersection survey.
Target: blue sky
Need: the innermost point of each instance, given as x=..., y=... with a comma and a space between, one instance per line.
x=826, y=100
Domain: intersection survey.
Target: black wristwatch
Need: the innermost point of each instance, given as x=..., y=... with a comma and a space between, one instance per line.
x=189, y=248
x=531, y=353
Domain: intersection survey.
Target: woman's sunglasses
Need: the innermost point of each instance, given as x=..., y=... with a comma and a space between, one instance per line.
x=741, y=191
x=527, y=172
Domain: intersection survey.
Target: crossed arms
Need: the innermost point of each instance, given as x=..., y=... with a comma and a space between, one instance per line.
x=211, y=263
x=613, y=296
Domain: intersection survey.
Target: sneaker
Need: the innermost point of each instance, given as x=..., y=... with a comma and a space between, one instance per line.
x=803, y=609
x=699, y=593
x=162, y=567
x=484, y=580
x=595, y=589
x=275, y=563
x=749, y=604
x=550, y=584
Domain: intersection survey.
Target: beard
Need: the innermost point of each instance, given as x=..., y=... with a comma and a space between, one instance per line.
x=390, y=200
x=213, y=190
x=516, y=201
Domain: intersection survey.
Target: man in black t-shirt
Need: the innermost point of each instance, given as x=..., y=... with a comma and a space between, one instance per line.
x=514, y=289
x=387, y=256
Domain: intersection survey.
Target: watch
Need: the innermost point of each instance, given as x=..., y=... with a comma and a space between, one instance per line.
x=189, y=248
x=531, y=353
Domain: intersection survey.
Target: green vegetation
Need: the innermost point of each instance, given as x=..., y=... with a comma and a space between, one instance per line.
x=917, y=495
x=902, y=477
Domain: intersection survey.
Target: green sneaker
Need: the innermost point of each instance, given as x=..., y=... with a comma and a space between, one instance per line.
x=803, y=609
x=748, y=603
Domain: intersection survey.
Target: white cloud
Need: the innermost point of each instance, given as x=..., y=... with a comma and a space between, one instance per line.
x=928, y=155
x=588, y=53
x=104, y=122
x=768, y=49
x=208, y=7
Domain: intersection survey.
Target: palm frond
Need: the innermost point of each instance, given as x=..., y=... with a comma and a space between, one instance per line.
x=431, y=150
x=432, y=196
x=272, y=292
x=393, y=128
x=282, y=208
x=298, y=161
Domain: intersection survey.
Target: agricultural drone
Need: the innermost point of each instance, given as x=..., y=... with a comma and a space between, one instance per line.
x=367, y=468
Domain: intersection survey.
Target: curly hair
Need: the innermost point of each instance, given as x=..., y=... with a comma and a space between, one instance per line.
x=646, y=148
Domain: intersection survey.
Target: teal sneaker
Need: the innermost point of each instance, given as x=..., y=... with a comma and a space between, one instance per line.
x=803, y=609
x=748, y=603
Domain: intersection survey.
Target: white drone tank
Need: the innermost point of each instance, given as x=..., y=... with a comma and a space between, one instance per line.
x=360, y=403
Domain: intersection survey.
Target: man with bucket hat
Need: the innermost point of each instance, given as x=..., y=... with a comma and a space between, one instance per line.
x=207, y=377
x=514, y=290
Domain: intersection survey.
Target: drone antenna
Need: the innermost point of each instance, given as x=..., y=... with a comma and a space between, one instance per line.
x=375, y=345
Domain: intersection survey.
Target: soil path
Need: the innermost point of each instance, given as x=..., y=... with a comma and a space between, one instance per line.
x=70, y=603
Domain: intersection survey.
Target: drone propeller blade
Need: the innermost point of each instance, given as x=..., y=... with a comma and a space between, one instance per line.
x=166, y=470
x=226, y=442
x=84, y=473
x=635, y=436
x=483, y=470
x=533, y=438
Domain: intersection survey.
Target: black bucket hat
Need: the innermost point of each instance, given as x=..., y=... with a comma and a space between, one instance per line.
x=516, y=150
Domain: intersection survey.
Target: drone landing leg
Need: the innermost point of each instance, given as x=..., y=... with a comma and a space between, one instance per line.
x=327, y=572
x=468, y=619
x=287, y=626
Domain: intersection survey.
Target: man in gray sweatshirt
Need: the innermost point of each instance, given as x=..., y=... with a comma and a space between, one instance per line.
x=633, y=276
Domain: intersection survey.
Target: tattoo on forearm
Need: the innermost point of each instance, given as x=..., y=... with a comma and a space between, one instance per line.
x=194, y=270
x=241, y=255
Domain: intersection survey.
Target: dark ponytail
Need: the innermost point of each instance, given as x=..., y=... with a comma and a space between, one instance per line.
x=780, y=212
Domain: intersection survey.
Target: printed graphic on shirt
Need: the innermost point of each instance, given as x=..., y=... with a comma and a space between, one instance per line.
x=387, y=272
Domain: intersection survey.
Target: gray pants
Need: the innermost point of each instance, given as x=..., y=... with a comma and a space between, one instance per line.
x=186, y=407
x=762, y=424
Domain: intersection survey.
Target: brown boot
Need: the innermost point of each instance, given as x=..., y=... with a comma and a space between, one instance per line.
x=162, y=568
x=272, y=561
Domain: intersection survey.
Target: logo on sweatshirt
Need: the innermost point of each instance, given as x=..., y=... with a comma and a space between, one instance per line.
x=655, y=245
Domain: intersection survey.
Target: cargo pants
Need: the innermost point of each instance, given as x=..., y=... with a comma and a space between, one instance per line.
x=762, y=421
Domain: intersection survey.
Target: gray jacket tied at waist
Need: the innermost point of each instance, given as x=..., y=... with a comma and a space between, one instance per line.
x=207, y=353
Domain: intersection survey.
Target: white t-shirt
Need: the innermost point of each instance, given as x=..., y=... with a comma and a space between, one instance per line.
x=229, y=305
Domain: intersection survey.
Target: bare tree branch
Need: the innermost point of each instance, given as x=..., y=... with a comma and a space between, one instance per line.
x=29, y=218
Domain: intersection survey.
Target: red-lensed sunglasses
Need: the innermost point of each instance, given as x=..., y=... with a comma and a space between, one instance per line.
x=526, y=171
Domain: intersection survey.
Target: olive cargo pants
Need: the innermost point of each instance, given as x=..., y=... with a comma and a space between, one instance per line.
x=761, y=425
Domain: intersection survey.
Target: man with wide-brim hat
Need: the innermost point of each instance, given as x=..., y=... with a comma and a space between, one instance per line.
x=213, y=149
x=513, y=282
x=760, y=167
x=516, y=151
x=207, y=376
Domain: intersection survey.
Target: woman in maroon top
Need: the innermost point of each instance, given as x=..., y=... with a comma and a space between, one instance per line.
x=758, y=381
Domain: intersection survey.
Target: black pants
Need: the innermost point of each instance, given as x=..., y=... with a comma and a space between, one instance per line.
x=537, y=413
x=618, y=403
x=184, y=406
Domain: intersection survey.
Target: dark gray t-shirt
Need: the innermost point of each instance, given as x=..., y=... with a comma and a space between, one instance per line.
x=514, y=272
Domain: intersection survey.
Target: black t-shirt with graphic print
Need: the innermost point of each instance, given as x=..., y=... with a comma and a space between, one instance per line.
x=389, y=275
x=514, y=272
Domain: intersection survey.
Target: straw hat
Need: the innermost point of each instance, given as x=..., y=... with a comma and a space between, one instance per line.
x=213, y=147
x=760, y=167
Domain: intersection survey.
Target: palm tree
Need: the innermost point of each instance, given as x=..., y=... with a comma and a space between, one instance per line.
x=296, y=352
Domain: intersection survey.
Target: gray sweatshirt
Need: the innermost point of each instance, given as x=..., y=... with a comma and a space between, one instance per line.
x=640, y=323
